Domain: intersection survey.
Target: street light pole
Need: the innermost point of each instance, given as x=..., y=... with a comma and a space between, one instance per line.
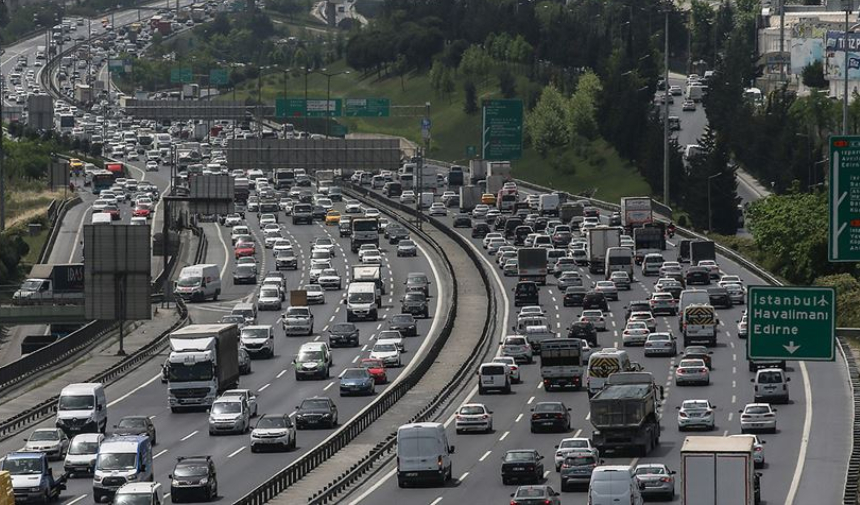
x=666, y=109
x=847, y=6
x=709, y=199
x=328, y=110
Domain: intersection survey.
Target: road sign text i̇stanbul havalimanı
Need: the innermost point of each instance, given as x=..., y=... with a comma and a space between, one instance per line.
x=791, y=323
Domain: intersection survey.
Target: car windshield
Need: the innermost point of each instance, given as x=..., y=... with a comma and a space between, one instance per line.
x=402, y=319
x=658, y=336
x=384, y=348
x=255, y=333
x=191, y=470
x=295, y=312
x=414, y=297
x=515, y=341
x=310, y=356
x=76, y=402
x=757, y=409
x=636, y=325
x=471, y=410
x=691, y=363
x=406, y=243
x=517, y=456
x=694, y=405
x=116, y=461
x=188, y=281
x=132, y=422
x=132, y=499
x=769, y=378
x=46, y=435
x=22, y=466
x=355, y=374
x=573, y=444
x=83, y=447
x=273, y=422
x=315, y=405
x=227, y=408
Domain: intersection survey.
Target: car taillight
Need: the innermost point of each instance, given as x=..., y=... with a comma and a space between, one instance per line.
x=703, y=370
x=682, y=414
x=559, y=416
x=681, y=371
x=757, y=449
x=439, y=461
x=665, y=479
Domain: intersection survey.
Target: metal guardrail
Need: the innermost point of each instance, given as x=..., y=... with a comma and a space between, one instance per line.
x=57, y=217
x=367, y=416
x=383, y=449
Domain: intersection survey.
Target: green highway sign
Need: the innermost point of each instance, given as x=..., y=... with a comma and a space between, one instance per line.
x=315, y=107
x=471, y=151
x=791, y=323
x=181, y=75
x=367, y=107
x=502, y=131
x=843, y=242
x=218, y=77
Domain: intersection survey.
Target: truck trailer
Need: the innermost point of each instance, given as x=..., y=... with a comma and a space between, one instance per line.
x=719, y=471
x=203, y=363
x=600, y=238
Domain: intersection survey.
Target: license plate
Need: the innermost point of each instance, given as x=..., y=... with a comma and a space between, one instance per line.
x=546, y=422
x=518, y=469
x=412, y=474
x=652, y=484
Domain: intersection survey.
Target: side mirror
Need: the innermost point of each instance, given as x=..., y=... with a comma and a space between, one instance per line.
x=170, y=476
x=788, y=379
x=451, y=449
x=678, y=407
x=532, y=409
x=741, y=411
x=752, y=380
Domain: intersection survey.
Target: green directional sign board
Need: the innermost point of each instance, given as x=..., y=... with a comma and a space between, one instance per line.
x=843, y=242
x=218, y=77
x=791, y=323
x=296, y=107
x=502, y=133
x=181, y=75
x=367, y=107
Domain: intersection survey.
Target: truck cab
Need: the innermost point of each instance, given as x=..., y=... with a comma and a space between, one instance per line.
x=32, y=477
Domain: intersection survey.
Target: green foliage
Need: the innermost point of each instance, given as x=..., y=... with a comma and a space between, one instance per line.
x=813, y=75
x=12, y=249
x=476, y=63
x=470, y=102
x=847, y=297
x=507, y=82
x=584, y=104
x=711, y=197
x=548, y=124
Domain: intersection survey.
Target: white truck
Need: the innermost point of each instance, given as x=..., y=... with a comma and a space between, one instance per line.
x=499, y=169
x=369, y=273
x=50, y=284
x=477, y=171
x=469, y=197
x=203, y=363
x=600, y=238
x=548, y=204
x=718, y=471
x=495, y=183
x=561, y=362
x=635, y=212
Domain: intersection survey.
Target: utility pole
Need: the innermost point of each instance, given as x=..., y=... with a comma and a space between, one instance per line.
x=782, y=40
x=846, y=4
x=666, y=109
x=2, y=172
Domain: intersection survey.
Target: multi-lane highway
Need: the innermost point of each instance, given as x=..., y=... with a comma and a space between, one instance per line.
x=806, y=459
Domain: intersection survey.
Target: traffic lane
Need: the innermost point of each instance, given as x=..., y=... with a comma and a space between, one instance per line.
x=693, y=123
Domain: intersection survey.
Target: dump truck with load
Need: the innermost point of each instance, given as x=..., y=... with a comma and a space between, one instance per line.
x=624, y=413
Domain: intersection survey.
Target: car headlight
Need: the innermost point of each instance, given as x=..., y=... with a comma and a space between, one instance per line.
x=326, y=415
x=204, y=481
x=97, y=478
x=131, y=478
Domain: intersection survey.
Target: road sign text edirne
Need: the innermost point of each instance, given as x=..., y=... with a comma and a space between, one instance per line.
x=791, y=323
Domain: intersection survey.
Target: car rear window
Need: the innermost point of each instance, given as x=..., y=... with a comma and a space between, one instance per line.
x=493, y=370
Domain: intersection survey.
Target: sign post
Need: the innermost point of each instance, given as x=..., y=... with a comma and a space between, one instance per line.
x=791, y=323
x=502, y=131
x=843, y=242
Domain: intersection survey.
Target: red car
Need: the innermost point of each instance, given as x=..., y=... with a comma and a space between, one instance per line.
x=141, y=212
x=113, y=211
x=376, y=369
x=245, y=249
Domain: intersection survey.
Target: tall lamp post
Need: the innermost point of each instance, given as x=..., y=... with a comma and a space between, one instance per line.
x=709, y=198
x=666, y=108
x=328, y=95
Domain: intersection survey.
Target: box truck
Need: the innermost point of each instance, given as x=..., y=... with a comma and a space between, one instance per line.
x=718, y=471
x=51, y=284
x=203, y=363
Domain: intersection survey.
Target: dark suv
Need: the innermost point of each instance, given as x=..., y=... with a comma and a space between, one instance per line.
x=584, y=330
x=342, y=334
x=526, y=293
x=415, y=303
x=698, y=275
x=595, y=300
x=405, y=324
x=719, y=297
x=316, y=412
x=417, y=281
x=192, y=477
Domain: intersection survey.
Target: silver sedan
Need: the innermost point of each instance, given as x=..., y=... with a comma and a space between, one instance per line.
x=692, y=371
x=655, y=480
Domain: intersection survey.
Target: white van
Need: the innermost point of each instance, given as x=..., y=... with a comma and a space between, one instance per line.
x=102, y=218
x=198, y=282
x=362, y=301
x=613, y=484
x=82, y=408
x=423, y=454
x=121, y=459
x=494, y=376
x=690, y=297
x=619, y=259
x=139, y=493
x=603, y=363
x=651, y=264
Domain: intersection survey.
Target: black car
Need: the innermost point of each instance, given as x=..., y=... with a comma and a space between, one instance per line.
x=415, y=303
x=417, y=281
x=591, y=211
x=318, y=212
x=637, y=306
x=595, y=300
x=480, y=230
x=520, y=234
x=136, y=425
x=698, y=275
x=405, y=324
x=462, y=221
x=719, y=297
x=522, y=465
x=316, y=412
x=344, y=228
x=396, y=234
x=245, y=274
x=550, y=416
x=574, y=296
x=270, y=207
x=526, y=293
x=343, y=334
x=193, y=478
x=511, y=225
x=584, y=330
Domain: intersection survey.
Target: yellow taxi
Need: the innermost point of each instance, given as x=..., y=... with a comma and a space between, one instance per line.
x=332, y=218
x=76, y=164
x=488, y=199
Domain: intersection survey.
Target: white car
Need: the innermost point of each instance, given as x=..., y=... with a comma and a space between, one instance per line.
x=232, y=220
x=645, y=317
x=758, y=449
x=635, y=333
x=696, y=414
x=480, y=211
x=270, y=237
x=371, y=258
x=388, y=353
x=438, y=209
x=330, y=279
x=326, y=244
x=352, y=207
x=712, y=267
x=365, y=249
x=489, y=237
x=269, y=299
x=266, y=219
x=730, y=279
x=371, y=212
x=151, y=166
x=494, y=245
x=512, y=366
x=531, y=310
x=573, y=444
x=250, y=398
x=473, y=417
x=407, y=197
x=595, y=317
x=758, y=417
